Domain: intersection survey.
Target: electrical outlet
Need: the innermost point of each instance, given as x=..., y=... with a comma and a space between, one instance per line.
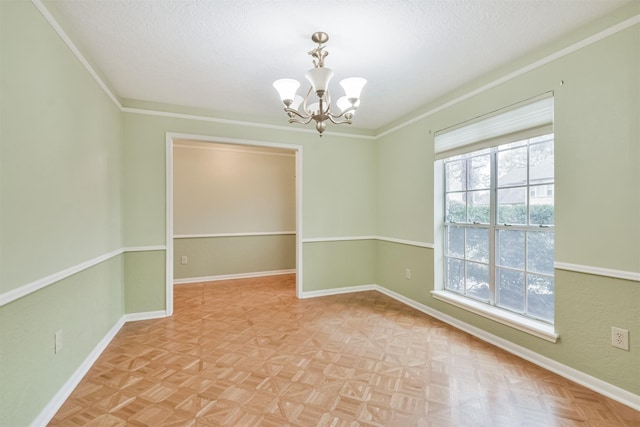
x=407, y=273
x=57, y=341
x=184, y=259
x=620, y=338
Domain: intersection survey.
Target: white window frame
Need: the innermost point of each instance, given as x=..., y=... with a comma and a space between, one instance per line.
x=529, y=119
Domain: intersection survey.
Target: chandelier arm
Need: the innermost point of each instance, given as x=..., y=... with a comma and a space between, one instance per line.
x=344, y=113
x=333, y=120
x=291, y=111
x=302, y=120
x=328, y=101
x=305, y=108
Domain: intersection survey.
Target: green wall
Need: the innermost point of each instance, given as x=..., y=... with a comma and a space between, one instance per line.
x=61, y=154
x=221, y=256
x=338, y=264
x=597, y=153
x=85, y=307
x=61, y=191
x=338, y=181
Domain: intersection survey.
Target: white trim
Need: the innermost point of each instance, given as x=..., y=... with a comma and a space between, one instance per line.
x=382, y=238
x=598, y=271
x=65, y=391
x=170, y=137
x=546, y=60
x=24, y=290
x=147, y=315
x=338, y=291
x=145, y=248
x=56, y=402
x=240, y=123
x=255, y=233
x=599, y=386
x=169, y=223
x=530, y=326
x=299, y=220
x=231, y=150
x=232, y=276
x=406, y=242
x=550, y=58
x=616, y=393
x=337, y=239
x=65, y=38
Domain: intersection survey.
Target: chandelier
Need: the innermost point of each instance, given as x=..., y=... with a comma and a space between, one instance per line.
x=304, y=110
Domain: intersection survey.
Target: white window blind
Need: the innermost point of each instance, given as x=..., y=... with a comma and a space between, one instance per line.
x=531, y=119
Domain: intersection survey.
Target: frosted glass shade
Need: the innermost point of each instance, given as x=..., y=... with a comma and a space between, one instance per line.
x=353, y=86
x=286, y=88
x=319, y=78
x=343, y=104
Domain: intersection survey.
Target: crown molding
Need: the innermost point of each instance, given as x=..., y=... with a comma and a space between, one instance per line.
x=634, y=20
x=536, y=64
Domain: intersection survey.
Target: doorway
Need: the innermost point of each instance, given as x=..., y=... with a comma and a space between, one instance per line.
x=203, y=222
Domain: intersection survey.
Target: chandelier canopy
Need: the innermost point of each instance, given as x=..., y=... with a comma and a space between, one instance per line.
x=304, y=110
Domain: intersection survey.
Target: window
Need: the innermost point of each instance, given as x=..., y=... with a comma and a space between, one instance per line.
x=498, y=217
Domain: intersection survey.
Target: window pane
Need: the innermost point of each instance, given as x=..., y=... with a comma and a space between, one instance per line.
x=541, y=163
x=478, y=280
x=512, y=206
x=512, y=167
x=510, y=289
x=479, y=172
x=455, y=175
x=510, y=249
x=478, y=204
x=541, y=205
x=540, y=252
x=456, y=207
x=455, y=241
x=501, y=251
x=454, y=269
x=513, y=144
x=477, y=248
x=540, y=297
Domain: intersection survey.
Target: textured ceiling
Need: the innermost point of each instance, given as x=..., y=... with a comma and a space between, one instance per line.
x=224, y=55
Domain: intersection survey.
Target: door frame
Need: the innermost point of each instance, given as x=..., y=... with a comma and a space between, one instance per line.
x=170, y=138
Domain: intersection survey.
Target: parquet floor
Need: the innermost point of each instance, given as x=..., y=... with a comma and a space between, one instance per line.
x=248, y=353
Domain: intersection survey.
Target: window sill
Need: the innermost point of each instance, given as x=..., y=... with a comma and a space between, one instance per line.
x=530, y=326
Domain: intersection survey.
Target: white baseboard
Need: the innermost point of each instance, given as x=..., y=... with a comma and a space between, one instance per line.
x=65, y=391
x=232, y=276
x=337, y=291
x=147, y=315
x=63, y=394
x=616, y=393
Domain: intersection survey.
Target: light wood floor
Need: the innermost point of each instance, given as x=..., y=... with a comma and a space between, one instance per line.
x=248, y=353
